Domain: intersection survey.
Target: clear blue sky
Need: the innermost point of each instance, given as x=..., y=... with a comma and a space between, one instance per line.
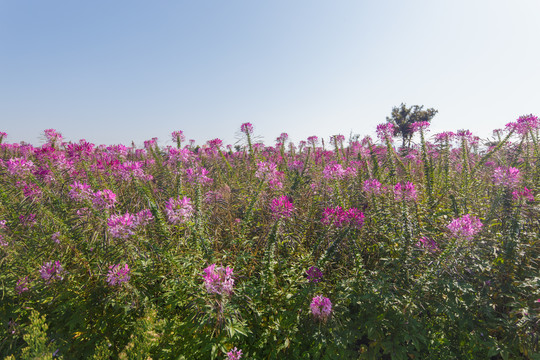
x=116, y=71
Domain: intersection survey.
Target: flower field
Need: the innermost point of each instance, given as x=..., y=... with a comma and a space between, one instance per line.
x=354, y=249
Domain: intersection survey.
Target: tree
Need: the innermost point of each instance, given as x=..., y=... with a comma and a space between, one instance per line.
x=403, y=117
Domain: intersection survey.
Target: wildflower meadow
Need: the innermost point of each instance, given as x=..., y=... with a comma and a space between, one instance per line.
x=343, y=249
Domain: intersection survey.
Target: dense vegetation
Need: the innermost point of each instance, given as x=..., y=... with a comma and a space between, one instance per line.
x=357, y=250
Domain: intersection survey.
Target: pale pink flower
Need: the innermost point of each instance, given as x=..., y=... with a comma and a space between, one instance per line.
x=523, y=194
x=179, y=210
x=373, y=187
x=465, y=227
x=507, y=177
x=122, y=226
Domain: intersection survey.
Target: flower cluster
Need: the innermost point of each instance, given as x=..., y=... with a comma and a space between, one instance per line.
x=507, y=177
x=234, y=354
x=336, y=171
x=340, y=217
x=51, y=271
x=281, y=208
x=198, y=175
x=123, y=226
x=218, y=280
x=179, y=210
x=104, y=199
x=405, y=192
x=419, y=126
x=118, y=274
x=523, y=194
x=246, y=128
x=314, y=274
x=385, y=131
x=321, y=307
x=465, y=227
x=372, y=187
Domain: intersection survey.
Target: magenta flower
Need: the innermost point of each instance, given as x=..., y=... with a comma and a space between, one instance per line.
x=334, y=172
x=406, y=192
x=281, y=208
x=444, y=136
x=218, y=280
x=524, y=124
x=178, y=136
x=465, y=227
x=313, y=140
x=427, y=244
x=2, y=241
x=507, y=177
x=22, y=285
x=246, y=128
x=104, y=199
x=143, y=217
x=321, y=307
x=419, y=125
x=56, y=237
x=314, y=274
x=179, y=210
x=339, y=217
x=121, y=226
x=20, y=166
x=234, y=354
x=118, y=274
x=267, y=171
x=385, y=131
x=53, y=136
x=198, y=175
x=51, y=271
x=523, y=194
x=373, y=187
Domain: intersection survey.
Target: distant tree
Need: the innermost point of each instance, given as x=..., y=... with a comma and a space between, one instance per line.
x=403, y=117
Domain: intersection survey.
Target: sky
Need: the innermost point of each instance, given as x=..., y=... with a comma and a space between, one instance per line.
x=113, y=72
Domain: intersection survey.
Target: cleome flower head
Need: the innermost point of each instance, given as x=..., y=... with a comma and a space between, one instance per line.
x=218, y=280
x=321, y=307
x=465, y=227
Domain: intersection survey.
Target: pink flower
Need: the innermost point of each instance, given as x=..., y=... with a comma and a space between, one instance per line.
x=524, y=124
x=372, y=186
x=53, y=136
x=104, y=199
x=419, y=125
x=55, y=237
x=334, y=172
x=118, y=275
x=246, y=128
x=121, y=226
x=3, y=243
x=20, y=166
x=321, y=307
x=281, y=208
x=313, y=140
x=178, y=136
x=465, y=227
x=198, y=175
x=234, y=354
x=51, y=271
x=385, y=131
x=218, y=280
x=523, y=194
x=405, y=192
x=339, y=217
x=22, y=285
x=427, y=244
x=507, y=177
x=179, y=210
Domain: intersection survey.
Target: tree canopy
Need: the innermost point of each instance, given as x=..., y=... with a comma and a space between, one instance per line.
x=403, y=117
